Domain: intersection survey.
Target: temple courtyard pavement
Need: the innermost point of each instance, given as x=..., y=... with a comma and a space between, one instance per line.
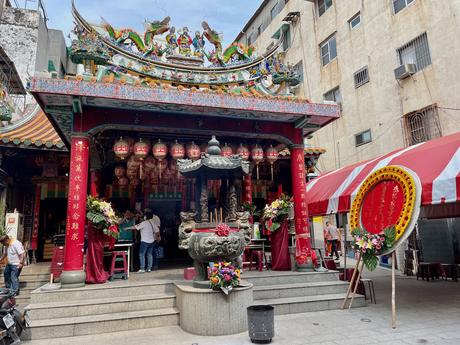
x=427, y=313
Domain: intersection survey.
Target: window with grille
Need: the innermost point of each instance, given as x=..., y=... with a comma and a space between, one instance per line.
x=399, y=5
x=416, y=52
x=422, y=125
x=333, y=95
x=361, y=77
x=355, y=20
x=323, y=6
x=363, y=138
x=328, y=50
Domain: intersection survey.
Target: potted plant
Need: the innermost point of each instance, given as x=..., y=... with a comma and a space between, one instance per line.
x=276, y=220
x=102, y=227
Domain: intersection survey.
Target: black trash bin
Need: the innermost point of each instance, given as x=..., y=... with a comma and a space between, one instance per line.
x=261, y=323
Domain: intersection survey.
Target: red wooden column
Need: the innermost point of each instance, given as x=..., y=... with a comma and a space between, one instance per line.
x=303, y=245
x=247, y=189
x=74, y=273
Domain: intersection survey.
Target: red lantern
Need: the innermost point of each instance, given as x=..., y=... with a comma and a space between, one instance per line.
x=123, y=181
x=257, y=155
x=226, y=151
x=133, y=163
x=141, y=149
x=121, y=148
x=150, y=163
x=160, y=151
x=134, y=182
x=131, y=172
x=272, y=156
x=193, y=152
x=243, y=151
x=120, y=171
x=177, y=151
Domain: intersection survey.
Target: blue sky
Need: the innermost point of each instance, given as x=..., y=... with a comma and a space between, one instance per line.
x=225, y=16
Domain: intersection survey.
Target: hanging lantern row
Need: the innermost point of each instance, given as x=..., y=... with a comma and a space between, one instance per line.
x=141, y=158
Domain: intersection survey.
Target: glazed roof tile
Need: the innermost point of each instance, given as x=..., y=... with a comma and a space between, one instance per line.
x=35, y=132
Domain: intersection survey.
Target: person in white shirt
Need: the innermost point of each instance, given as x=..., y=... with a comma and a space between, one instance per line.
x=15, y=254
x=150, y=236
x=333, y=233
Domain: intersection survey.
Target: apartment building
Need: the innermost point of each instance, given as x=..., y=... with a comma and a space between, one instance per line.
x=391, y=64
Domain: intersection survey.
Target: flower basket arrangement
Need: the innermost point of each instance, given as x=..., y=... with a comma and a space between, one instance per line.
x=372, y=245
x=277, y=212
x=102, y=216
x=223, y=276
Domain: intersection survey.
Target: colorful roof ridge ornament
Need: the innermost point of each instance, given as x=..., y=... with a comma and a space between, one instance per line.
x=163, y=55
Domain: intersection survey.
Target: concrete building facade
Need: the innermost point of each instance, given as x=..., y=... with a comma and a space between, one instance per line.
x=29, y=43
x=348, y=51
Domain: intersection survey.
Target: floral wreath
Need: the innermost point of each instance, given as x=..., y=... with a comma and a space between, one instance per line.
x=389, y=173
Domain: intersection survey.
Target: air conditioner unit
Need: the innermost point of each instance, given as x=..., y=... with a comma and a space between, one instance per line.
x=405, y=71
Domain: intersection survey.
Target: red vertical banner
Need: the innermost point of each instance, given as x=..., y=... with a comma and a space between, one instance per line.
x=76, y=206
x=34, y=236
x=247, y=189
x=303, y=245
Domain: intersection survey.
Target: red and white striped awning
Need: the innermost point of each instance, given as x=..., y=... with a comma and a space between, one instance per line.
x=436, y=162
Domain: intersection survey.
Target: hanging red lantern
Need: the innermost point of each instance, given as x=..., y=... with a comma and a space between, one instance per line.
x=141, y=149
x=121, y=148
x=177, y=151
x=120, y=171
x=272, y=156
x=243, y=151
x=150, y=163
x=160, y=151
x=134, y=182
x=193, y=151
x=257, y=155
x=133, y=162
x=123, y=181
x=131, y=172
x=226, y=151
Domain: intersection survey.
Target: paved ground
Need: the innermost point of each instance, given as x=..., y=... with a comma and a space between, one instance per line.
x=428, y=313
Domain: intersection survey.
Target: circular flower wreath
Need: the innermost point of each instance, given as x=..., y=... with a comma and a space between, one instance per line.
x=389, y=173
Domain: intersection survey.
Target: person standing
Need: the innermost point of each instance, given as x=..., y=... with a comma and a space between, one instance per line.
x=150, y=234
x=333, y=233
x=15, y=254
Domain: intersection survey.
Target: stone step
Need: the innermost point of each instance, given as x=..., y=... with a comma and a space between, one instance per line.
x=32, y=284
x=277, y=278
x=299, y=289
x=113, y=289
x=304, y=304
x=63, y=309
x=34, y=276
x=103, y=323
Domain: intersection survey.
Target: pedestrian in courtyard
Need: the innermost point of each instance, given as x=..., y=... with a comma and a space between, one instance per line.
x=150, y=236
x=15, y=254
x=333, y=235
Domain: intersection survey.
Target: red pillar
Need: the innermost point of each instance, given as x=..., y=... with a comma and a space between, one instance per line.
x=247, y=189
x=74, y=274
x=303, y=245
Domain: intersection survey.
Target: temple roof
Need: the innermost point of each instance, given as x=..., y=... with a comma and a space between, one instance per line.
x=35, y=131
